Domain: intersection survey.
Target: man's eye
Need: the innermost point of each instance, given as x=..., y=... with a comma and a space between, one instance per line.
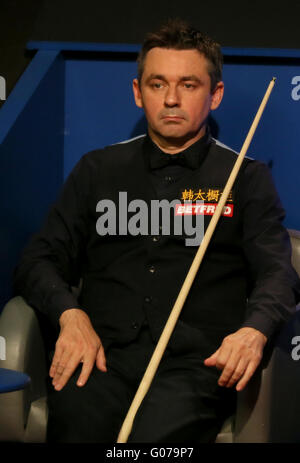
x=186, y=85
x=157, y=85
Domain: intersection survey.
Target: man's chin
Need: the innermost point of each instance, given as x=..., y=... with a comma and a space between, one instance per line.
x=176, y=136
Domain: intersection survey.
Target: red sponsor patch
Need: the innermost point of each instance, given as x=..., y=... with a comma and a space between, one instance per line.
x=202, y=209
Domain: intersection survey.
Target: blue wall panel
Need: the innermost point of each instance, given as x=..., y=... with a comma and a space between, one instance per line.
x=31, y=165
x=276, y=140
x=99, y=106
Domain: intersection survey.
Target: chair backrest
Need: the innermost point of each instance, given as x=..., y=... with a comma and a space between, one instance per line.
x=295, y=241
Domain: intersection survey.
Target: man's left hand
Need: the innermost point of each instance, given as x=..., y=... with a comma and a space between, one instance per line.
x=238, y=356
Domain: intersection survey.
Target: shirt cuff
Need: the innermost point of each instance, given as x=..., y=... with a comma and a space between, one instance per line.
x=59, y=302
x=259, y=321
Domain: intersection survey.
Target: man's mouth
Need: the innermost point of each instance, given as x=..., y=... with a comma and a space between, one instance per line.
x=172, y=118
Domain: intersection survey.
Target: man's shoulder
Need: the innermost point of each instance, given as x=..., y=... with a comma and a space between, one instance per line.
x=226, y=151
x=134, y=141
x=227, y=156
x=254, y=175
x=123, y=149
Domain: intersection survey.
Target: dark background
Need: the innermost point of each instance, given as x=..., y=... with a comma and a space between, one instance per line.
x=233, y=23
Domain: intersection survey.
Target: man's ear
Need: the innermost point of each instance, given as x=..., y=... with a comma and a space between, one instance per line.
x=217, y=96
x=137, y=93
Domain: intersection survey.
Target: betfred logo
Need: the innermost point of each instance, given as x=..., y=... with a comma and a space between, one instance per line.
x=202, y=209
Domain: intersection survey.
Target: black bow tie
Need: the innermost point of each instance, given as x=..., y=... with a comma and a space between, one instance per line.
x=165, y=159
x=191, y=157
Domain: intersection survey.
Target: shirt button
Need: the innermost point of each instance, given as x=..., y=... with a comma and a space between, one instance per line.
x=134, y=325
x=147, y=299
x=168, y=179
x=155, y=238
x=152, y=269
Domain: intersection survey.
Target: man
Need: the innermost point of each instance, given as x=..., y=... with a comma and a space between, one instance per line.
x=244, y=290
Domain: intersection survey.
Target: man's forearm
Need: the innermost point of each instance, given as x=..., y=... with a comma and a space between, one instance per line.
x=43, y=288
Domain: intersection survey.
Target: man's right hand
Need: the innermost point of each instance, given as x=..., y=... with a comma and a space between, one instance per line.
x=77, y=342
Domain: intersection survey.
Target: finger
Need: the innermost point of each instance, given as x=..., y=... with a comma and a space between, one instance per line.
x=237, y=373
x=225, y=352
x=61, y=367
x=211, y=361
x=55, y=361
x=61, y=380
x=101, y=359
x=87, y=367
x=228, y=370
x=246, y=376
x=227, y=361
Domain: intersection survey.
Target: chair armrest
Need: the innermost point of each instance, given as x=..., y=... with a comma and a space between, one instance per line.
x=24, y=352
x=268, y=409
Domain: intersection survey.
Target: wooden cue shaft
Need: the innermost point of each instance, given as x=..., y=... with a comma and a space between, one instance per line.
x=169, y=327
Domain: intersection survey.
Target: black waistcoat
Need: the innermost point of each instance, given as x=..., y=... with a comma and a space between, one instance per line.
x=132, y=280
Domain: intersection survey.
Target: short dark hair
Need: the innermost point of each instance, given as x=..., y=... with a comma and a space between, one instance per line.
x=178, y=35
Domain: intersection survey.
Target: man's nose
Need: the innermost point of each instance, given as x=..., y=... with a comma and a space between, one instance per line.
x=172, y=97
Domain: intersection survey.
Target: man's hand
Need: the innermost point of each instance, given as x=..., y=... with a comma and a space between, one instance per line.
x=238, y=356
x=77, y=342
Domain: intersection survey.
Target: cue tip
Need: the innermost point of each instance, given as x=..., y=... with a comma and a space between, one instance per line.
x=274, y=79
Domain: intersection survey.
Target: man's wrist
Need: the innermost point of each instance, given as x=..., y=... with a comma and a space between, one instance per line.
x=256, y=332
x=68, y=314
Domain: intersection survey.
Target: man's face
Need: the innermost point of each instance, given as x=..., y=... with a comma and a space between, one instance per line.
x=175, y=93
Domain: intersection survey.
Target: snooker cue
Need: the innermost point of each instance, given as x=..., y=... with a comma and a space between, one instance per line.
x=173, y=317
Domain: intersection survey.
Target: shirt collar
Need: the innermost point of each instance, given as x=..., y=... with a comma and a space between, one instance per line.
x=194, y=154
